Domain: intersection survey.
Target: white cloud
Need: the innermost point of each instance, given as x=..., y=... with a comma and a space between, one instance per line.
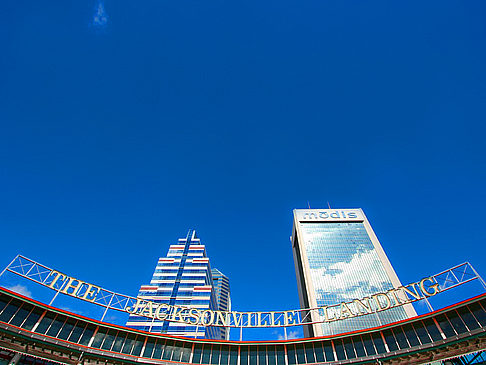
x=290, y=335
x=100, y=18
x=69, y=309
x=354, y=278
x=21, y=290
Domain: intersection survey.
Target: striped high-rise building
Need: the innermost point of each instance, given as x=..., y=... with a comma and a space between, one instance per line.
x=182, y=278
x=222, y=287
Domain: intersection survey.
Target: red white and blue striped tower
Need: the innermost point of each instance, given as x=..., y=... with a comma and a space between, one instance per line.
x=182, y=278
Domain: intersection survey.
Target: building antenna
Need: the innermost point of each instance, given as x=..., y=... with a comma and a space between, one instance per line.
x=329, y=205
x=308, y=204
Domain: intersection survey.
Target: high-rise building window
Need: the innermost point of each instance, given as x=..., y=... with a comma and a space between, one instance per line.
x=183, y=278
x=338, y=259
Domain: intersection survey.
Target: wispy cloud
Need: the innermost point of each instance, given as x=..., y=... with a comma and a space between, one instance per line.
x=21, y=290
x=290, y=335
x=352, y=279
x=100, y=18
x=111, y=318
x=69, y=309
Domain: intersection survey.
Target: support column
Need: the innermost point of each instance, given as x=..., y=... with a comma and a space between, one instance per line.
x=15, y=359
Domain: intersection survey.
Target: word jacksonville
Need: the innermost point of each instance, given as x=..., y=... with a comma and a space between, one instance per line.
x=374, y=303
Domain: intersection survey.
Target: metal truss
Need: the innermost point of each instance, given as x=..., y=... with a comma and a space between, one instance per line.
x=46, y=276
x=457, y=275
x=469, y=359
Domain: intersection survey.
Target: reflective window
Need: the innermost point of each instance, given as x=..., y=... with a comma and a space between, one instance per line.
x=32, y=319
x=344, y=265
x=120, y=338
x=186, y=352
x=468, y=318
x=127, y=346
x=3, y=302
x=358, y=346
x=196, y=357
x=445, y=325
x=234, y=356
x=177, y=351
x=271, y=357
x=479, y=313
x=109, y=339
x=328, y=351
x=411, y=335
x=159, y=348
x=87, y=335
x=56, y=326
x=169, y=346
x=184, y=273
x=379, y=345
x=263, y=357
x=66, y=329
x=215, y=354
x=224, y=356
x=21, y=314
x=243, y=355
x=338, y=346
x=456, y=322
x=422, y=333
x=309, y=353
x=99, y=337
x=9, y=310
x=368, y=344
x=299, y=350
x=253, y=355
x=349, y=348
x=291, y=354
x=390, y=340
x=149, y=348
x=432, y=329
x=400, y=337
x=137, y=346
x=206, y=354
x=319, y=351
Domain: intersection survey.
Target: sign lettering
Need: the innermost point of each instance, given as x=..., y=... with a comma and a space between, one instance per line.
x=376, y=302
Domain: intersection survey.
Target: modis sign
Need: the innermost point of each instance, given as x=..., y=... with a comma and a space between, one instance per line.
x=329, y=215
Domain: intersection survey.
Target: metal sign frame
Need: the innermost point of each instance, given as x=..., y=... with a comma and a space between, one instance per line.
x=62, y=283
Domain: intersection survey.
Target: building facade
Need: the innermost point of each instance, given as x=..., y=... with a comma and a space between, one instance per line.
x=338, y=258
x=223, y=297
x=182, y=278
x=33, y=333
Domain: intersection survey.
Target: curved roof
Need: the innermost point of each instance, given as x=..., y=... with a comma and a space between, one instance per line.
x=72, y=336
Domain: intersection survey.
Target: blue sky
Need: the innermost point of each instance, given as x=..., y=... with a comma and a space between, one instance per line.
x=124, y=124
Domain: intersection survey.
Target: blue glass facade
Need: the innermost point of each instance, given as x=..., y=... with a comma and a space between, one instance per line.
x=222, y=290
x=337, y=261
x=182, y=278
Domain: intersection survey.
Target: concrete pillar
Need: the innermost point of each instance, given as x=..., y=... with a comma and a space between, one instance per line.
x=15, y=359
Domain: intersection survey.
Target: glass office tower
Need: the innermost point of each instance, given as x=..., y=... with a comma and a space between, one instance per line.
x=182, y=278
x=222, y=289
x=337, y=259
